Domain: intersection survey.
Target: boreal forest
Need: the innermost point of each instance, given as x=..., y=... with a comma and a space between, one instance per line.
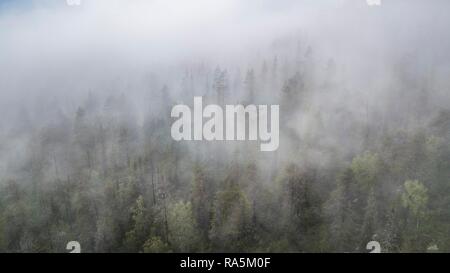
x=86, y=152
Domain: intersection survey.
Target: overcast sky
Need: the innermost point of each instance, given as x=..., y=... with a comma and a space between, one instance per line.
x=47, y=41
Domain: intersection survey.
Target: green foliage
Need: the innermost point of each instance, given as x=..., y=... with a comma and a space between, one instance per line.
x=230, y=227
x=183, y=233
x=366, y=169
x=140, y=225
x=370, y=224
x=344, y=208
x=415, y=201
x=201, y=204
x=303, y=216
x=156, y=245
x=100, y=180
x=415, y=198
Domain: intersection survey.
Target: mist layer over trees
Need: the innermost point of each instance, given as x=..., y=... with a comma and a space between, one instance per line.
x=85, y=147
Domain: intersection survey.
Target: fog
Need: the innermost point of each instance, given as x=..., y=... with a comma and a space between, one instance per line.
x=347, y=76
x=54, y=55
x=51, y=49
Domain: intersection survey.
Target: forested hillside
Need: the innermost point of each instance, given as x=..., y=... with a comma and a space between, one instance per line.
x=86, y=153
x=97, y=176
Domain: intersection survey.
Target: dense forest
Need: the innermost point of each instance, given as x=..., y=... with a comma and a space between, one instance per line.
x=364, y=156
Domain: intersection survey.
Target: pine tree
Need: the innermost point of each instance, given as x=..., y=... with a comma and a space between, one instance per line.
x=231, y=222
x=135, y=238
x=343, y=210
x=304, y=221
x=221, y=85
x=200, y=200
x=250, y=86
x=184, y=236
